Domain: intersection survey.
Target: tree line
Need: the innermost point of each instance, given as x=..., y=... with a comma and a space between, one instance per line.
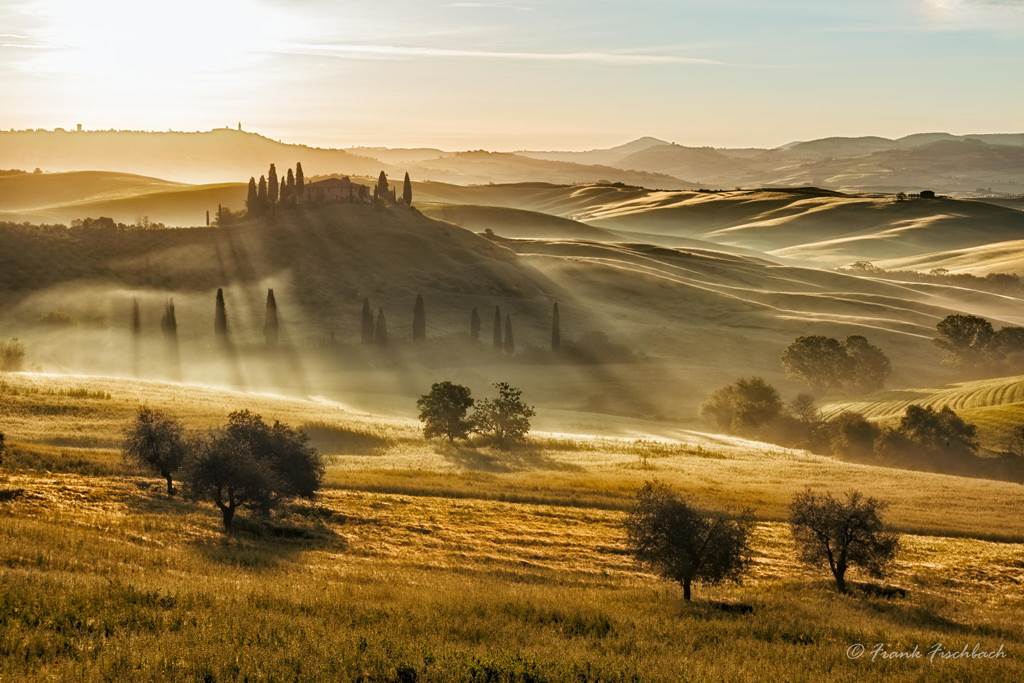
x=923, y=438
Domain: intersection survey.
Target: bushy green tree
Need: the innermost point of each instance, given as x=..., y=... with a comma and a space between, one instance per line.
x=966, y=339
x=743, y=407
x=668, y=535
x=505, y=418
x=842, y=534
x=156, y=442
x=869, y=366
x=248, y=463
x=444, y=411
x=819, y=361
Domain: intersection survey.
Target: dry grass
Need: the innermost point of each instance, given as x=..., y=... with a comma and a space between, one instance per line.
x=500, y=567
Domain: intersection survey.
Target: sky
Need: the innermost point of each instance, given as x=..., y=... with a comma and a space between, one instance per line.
x=516, y=74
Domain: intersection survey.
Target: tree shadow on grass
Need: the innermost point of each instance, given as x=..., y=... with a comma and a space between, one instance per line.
x=895, y=605
x=477, y=458
x=257, y=542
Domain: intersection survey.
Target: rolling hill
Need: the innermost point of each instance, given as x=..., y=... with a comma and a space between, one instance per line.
x=227, y=155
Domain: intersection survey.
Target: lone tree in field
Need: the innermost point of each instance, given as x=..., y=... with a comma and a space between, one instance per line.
x=407, y=191
x=505, y=419
x=842, y=533
x=272, y=188
x=510, y=342
x=380, y=331
x=271, y=329
x=248, y=463
x=252, y=201
x=556, y=329
x=497, y=338
x=419, y=320
x=966, y=339
x=443, y=411
x=157, y=442
x=367, y=322
x=668, y=535
x=300, y=183
x=474, y=325
x=169, y=328
x=220, y=317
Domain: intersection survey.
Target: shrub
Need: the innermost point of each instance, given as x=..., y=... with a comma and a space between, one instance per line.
x=506, y=419
x=12, y=356
x=842, y=534
x=853, y=435
x=157, y=442
x=248, y=463
x=667, y=534
x=443, y=411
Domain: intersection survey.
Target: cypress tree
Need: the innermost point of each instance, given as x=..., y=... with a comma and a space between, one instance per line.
x=474, y=325
x=407, y=190
x=419, y=320
x=300, y=183
x=556, y=329
x=510, y=343
x=252, y=200
x=290, y=184
x=261, y=194
x=367, y=322
x=169, y=327
x=272, y=189
x=497, y=338
x=270, y=325
x=380, y=333
x=220, y=319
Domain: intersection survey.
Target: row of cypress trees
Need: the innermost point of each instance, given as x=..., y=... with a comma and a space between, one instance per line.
x=374, y=329
x=264, y=195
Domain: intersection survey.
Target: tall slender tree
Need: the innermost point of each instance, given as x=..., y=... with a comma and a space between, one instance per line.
x=169, y=328
x=261, y=194
x=497, y=338
x=367, y=322
x=252, y=202
x=270, y=323
x=510, y=342
x=220, y=318
x=419, y=320
x=300, y=183
x=380, y=332
x=556, y=329
x=407, y=190
x=272, y=188
x=289, y=184
x=136, y=336
x=474, y=325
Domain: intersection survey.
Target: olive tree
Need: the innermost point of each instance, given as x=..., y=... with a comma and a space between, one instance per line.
x=668, y=535
x=842, y=534
x=505, y=418
x=157, y=442
x=248, y=463
x=443, y=411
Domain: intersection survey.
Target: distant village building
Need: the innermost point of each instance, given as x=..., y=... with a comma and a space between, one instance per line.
x=335, y=190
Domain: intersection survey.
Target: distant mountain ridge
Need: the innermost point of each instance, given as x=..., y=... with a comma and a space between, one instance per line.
x=940, y=161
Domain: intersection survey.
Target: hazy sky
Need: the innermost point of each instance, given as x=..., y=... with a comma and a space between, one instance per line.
x=508, y=74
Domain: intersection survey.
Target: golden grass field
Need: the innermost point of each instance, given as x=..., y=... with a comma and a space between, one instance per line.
x=420, y=562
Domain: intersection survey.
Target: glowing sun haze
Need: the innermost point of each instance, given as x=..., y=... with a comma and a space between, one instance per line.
x=518, y=73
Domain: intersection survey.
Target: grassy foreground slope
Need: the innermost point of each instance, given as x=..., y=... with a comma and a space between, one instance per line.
x=103, y=577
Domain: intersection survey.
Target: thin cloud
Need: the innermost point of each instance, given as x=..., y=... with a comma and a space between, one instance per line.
x=402, y=51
